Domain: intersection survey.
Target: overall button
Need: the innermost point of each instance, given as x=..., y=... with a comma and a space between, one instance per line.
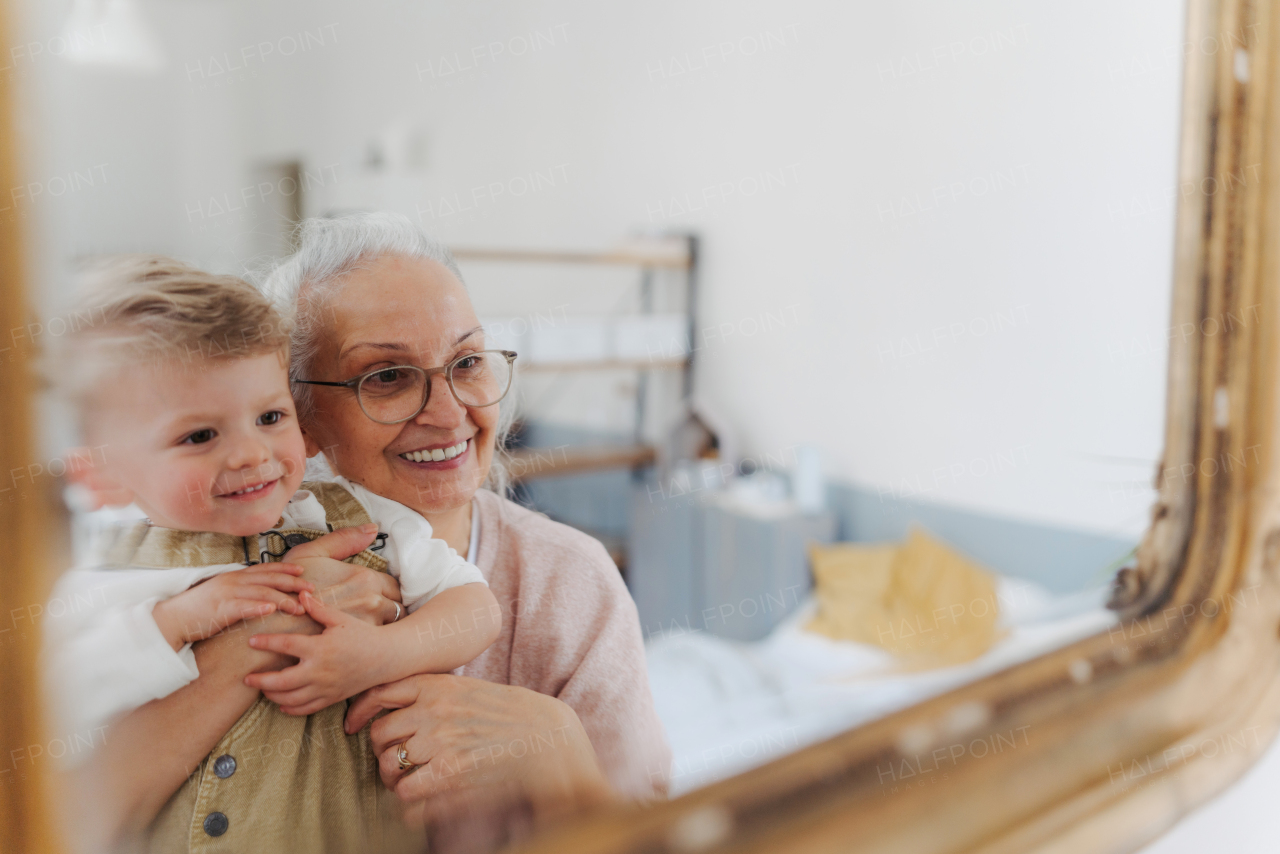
x=224, y=766
x=216, y=824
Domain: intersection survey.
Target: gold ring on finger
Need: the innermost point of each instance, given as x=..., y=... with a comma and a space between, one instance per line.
x=402, y=757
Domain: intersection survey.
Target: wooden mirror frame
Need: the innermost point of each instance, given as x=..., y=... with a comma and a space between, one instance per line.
x=1104, y=744
x=1099, y=746
x=25, y=823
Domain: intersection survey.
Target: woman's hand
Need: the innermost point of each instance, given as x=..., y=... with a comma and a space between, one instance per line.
x=473, y=742
x=363, y=593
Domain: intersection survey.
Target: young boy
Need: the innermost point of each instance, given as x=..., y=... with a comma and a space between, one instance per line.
x=182, y=389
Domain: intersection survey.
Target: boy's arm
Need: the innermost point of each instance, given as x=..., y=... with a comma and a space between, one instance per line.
x=445, y=633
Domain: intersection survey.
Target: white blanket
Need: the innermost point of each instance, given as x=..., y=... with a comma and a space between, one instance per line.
x=729, y=706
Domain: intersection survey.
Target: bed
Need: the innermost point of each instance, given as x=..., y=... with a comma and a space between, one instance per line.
x=728, y=706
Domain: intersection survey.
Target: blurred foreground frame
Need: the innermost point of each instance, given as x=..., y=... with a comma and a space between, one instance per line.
x=1111, y=750
x=25, y=522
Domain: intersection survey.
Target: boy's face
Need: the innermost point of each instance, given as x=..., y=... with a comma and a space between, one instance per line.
x=204, y=445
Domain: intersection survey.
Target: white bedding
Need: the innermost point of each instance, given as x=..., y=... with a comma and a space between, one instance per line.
x=728, y=706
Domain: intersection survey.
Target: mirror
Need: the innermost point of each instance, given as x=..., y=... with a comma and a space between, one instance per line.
x=877, y=297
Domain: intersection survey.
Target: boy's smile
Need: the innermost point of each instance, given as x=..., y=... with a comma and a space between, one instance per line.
x=251, y=493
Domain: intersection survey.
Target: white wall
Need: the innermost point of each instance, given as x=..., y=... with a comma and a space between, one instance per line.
x=1042, y=136
x=150, y=141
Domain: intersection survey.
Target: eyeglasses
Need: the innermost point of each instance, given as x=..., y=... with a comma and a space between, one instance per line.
x=396, y=394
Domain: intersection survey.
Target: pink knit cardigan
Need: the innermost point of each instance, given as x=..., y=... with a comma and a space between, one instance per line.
x=570, y=630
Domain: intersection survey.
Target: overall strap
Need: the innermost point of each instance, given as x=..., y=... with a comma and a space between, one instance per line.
x=143, y=545
x=341, y=507
x=146, y=546
x=341, y=510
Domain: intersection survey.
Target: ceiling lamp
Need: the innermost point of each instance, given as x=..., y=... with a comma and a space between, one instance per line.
x=111, y=33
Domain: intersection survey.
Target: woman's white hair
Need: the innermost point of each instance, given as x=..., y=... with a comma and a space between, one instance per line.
x=329, y=249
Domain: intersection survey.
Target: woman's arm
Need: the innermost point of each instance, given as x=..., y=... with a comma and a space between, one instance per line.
x=449, y=630
x=146, y=755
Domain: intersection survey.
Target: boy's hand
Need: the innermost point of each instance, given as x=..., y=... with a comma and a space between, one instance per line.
x=332, y=666
x=215, y=603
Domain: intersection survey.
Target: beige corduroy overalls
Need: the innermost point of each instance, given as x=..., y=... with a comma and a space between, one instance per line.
x=275, y=782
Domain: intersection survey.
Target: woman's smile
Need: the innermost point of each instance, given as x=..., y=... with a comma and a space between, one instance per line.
x=439, y=456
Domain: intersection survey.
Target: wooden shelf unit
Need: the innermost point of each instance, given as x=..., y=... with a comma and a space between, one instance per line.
x=682, y=260
x=679, y=253
x=607, y=365
x=528, y=463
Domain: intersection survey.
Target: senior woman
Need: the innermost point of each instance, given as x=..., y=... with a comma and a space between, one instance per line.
x=556, y=714
x=385, y=338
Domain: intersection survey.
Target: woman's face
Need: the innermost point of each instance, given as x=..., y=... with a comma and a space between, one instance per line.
x=400, y=311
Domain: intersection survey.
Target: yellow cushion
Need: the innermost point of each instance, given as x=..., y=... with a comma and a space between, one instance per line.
x=922, y=601
x=851, y=583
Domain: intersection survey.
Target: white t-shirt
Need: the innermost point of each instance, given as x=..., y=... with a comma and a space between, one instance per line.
x=104, y=654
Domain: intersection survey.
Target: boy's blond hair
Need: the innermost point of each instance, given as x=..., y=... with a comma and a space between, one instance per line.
x=149, y=308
